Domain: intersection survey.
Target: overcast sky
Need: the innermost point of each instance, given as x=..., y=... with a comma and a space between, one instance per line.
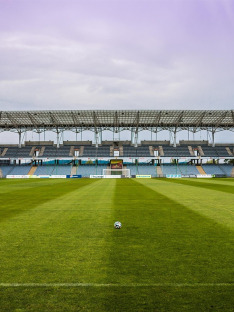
x=114, y=54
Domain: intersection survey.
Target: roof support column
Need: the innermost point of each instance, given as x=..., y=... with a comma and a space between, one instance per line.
x=20, y=135
x=213, y=138
x=96, y=138
x=132, y=136
x=174, y=142
x=136, y=138
x=57, y=138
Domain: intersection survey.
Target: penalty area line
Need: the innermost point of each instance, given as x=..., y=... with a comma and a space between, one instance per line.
x=114, y=285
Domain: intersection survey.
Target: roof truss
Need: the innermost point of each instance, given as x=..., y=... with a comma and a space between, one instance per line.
x=117, y=120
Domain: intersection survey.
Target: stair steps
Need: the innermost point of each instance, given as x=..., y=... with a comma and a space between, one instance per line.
x=191, y=151
x=200, y=150
x=201, y=170
x=121, y=151
x=111, y=151
x=232, y=172
x=1, y=174
x=161, y=152
x=229, y=151
x=151, y=151
x=32, y=170
x=159, y=171
x=74, y=170
x=81, y=152
x=41, y=151
x=4, y=151
x=32, y=151
x=71, y=152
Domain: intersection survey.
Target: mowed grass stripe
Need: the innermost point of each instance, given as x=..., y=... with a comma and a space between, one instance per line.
x=19, y=201
x=163, y=241
x=60, y=247
x=219, y=187
x=12, y=185
x=92, y=299
x=223, y=181
x=210, y=203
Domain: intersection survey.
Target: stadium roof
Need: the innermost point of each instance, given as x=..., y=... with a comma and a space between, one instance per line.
x=59, y=120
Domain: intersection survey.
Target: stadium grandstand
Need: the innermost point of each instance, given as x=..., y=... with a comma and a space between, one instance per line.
x=122, y=158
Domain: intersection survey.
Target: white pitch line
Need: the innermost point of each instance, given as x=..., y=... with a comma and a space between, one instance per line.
x=114, y=285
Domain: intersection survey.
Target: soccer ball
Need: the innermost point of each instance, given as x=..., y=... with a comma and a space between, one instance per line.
x=117, y=225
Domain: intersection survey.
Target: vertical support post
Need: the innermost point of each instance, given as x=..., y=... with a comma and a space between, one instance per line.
x=213, y=138
x=96, y=138
x=100, y=136
x=20, y=135
x=174, y=143
x=131, y=136
x=136, y=138
x=57, y=139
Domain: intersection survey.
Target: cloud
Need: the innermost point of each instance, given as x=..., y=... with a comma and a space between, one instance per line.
x=125, y=55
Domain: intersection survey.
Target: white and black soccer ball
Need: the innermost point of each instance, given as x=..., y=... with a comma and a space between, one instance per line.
x=117, y=225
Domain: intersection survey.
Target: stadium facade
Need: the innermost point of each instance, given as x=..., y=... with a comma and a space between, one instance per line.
x=85, y=158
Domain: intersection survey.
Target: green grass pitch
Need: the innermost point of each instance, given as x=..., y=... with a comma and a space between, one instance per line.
x=60, y=252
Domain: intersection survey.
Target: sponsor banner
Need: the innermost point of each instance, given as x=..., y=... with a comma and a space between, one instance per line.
x=20, y=176
x=96, y=176
x=204, y=176
x=76, y=176
x=143, y=176
x=43, y=176
x=32, y=176
x=112, y=176
x=58, y=176
x=173, y=176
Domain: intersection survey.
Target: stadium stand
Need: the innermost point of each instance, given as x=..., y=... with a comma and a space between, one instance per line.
x=129, y=151
x=147, y=170
x=6, y=170
x=62, y=170
x=90, y=151
x=45, y=170
x=170, y=169
x=50, y=152
x=87, y=170
x=188, y=169
x=218, y=170
x=125, y=150
x=20, y=170
x=143, y=151
x=227, y=169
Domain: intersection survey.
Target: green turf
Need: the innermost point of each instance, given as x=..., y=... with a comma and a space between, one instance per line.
x=174, y=252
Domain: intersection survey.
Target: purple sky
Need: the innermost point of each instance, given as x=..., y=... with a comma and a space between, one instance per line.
x=113, y=54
